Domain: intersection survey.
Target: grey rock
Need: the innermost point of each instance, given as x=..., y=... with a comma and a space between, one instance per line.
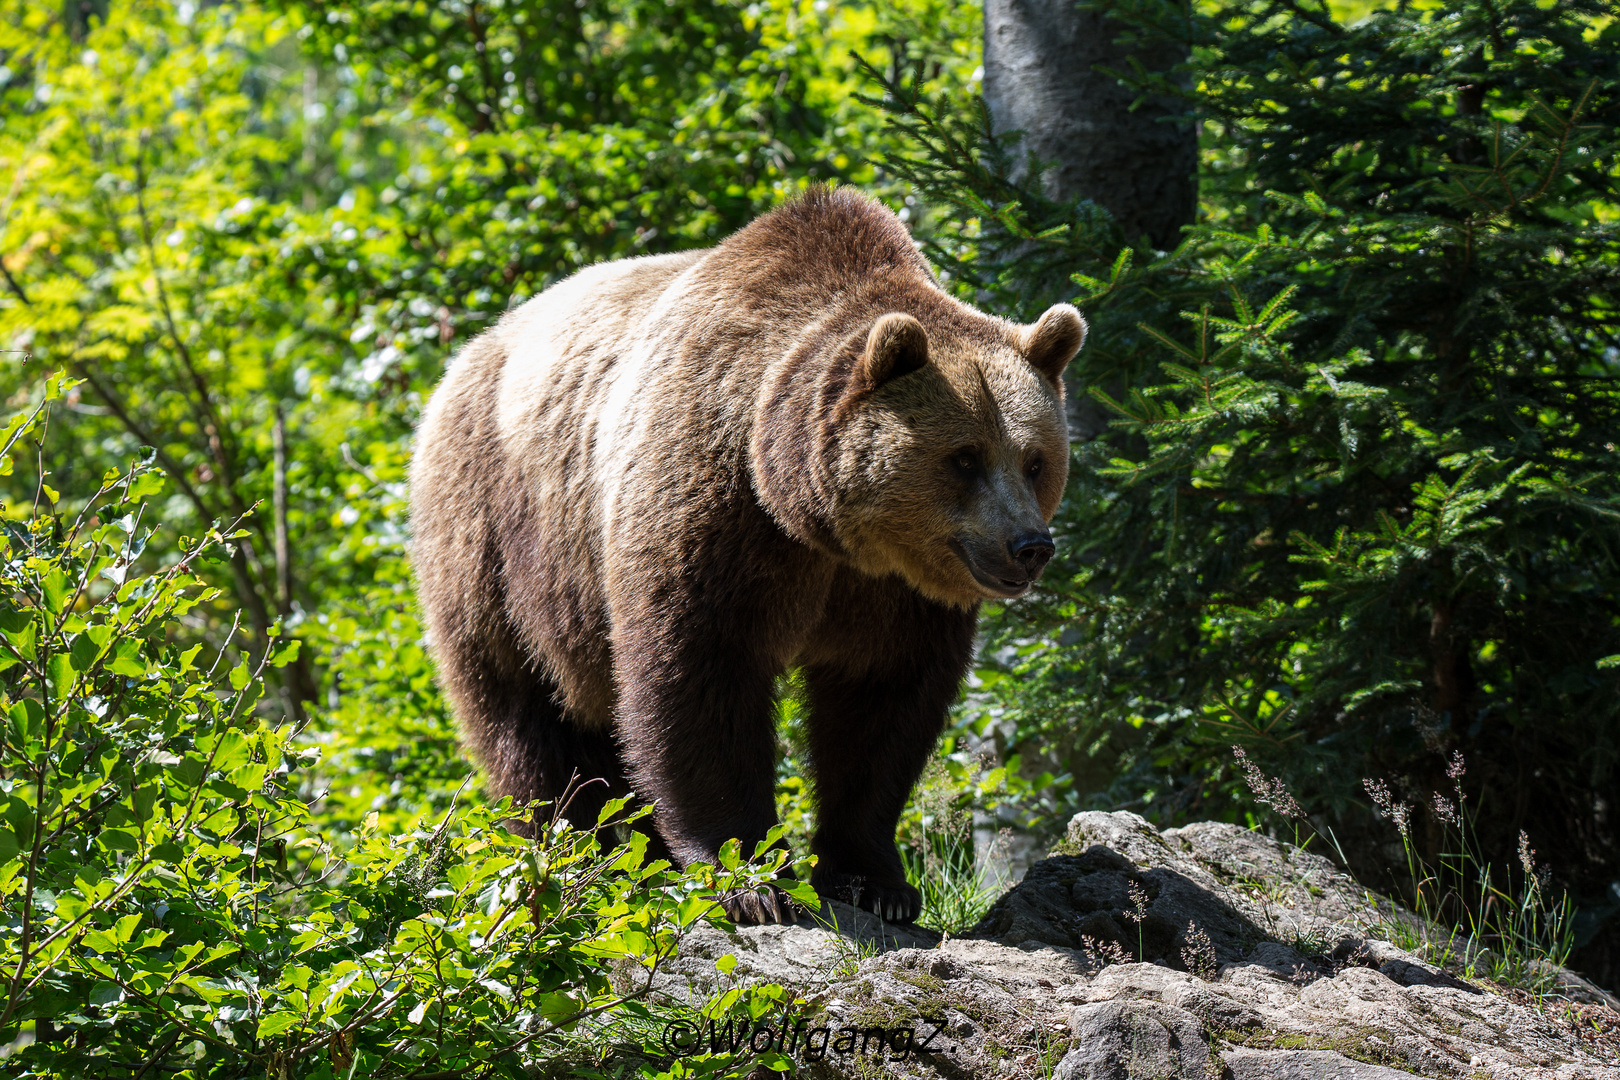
x=1303, y=1065
x=1063, y=972
x=1133, y=1040
x=1380, y=953
x=816, y=949
x=1123, y=834
x=1408, y=974
x=1277, y=958
x=1216, y=1011
x=1085, y=902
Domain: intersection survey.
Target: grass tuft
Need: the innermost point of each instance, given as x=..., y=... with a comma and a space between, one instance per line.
x=1471, y=915
x=952, y=881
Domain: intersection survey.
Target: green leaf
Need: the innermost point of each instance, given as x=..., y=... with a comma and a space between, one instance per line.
x=59, y=384
x=276, y=1023
x=118, y=840
x=127, y=659
x=14, y=621
x=22, y=639
x=146, y=484
x=127, y=667
x=558, y=1006
x=188, y=772
x=152, y=939
x=611, y=808
x=496, y=987
x=27, y=724
x=802, y=891
x=53, y=587
x=230, y=749
x=59, y=674
x=83, y=653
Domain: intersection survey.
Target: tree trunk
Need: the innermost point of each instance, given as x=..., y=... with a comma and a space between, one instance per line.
x=1038, y=79
x=279, y=504
x=298, y=680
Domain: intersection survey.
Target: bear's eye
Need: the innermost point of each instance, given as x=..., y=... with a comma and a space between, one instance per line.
x=966, y=461
x=1034, y=469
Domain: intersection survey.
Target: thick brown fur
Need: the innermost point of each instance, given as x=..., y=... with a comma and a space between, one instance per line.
x=661, y=483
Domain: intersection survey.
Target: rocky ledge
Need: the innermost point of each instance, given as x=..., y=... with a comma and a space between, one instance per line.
x=1257, y=960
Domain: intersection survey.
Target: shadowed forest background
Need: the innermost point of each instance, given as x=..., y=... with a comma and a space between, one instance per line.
x=1345, y=489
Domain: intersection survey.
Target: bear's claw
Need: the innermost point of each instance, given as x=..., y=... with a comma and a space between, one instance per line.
x=897, y=903
x=752, y=907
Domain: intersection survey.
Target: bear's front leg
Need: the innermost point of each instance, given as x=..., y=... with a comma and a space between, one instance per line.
x=877, y=707
x=697, y=726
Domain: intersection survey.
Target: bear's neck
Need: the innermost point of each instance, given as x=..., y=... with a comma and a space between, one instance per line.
x=794, y=434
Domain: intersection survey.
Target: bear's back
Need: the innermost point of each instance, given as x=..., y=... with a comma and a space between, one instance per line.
x=559, y=351
x=503, y=466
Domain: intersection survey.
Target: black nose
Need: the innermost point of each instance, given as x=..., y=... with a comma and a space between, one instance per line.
x=1031, y=550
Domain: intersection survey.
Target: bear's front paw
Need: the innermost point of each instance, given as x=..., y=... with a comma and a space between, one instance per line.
x=768, y=904
x=895, y=902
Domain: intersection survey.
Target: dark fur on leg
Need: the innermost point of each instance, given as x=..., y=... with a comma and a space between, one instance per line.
x=530, y=750
x=877, y=712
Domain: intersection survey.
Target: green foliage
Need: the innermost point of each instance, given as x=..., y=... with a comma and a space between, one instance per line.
x=389, y=744
x=170, y=900
x=1359, y=505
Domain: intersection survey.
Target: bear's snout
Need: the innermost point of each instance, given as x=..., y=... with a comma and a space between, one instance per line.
x=1031, y=552
x=1005, y=569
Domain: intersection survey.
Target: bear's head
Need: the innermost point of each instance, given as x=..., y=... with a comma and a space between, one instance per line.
x=940, y=449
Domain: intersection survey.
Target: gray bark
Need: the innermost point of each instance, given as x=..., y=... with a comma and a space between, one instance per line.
x=1038, y=79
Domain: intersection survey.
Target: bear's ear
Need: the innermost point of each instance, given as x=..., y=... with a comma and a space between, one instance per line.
x=897, y=346
x=1051, y=343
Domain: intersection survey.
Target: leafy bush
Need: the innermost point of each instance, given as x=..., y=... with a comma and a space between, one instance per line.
x=388, y=742
x=171, y=903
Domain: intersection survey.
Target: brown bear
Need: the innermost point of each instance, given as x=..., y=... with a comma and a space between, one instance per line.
x=658, y=485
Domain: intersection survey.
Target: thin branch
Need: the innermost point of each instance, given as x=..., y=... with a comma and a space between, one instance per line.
x=158, y=1054
x=279, y=502
x=208, y=415
x=16, y=288
x=177, y=473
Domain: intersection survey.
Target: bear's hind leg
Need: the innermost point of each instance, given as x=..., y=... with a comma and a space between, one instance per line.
x=530, y=749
